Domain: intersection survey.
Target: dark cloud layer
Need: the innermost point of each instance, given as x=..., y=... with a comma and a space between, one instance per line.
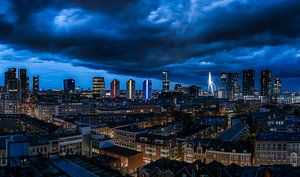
x=142, y=37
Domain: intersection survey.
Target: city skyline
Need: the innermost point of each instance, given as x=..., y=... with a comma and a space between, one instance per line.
x=216, y=81
x=103, y=39
x=150, y=88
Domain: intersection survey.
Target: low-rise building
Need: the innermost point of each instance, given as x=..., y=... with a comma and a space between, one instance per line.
x=226, y=158
x=193, y=150
x=130, y=160
x=155, y=147
x=164, y=168
x=99, y=141
x=67, y=143
x=277, y=148
x=126, y=136
x=34, y=145
x=45, y=111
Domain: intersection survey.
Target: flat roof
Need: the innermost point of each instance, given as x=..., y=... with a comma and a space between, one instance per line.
x=278, y=136
x=72, y=169
x=122, y=151
x=131, y=128
x=231, y=133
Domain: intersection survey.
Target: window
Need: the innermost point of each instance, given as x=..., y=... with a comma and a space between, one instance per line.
x=293, y=159
x=279, y=147
x=284, y=147
x=263, y=147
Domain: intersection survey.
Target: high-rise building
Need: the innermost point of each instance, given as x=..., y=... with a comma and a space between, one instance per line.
x=265, y=82
x=233, y=86
x=10, y=79
x=230, y=85
x=165, y=82
x=236, y=83
x=147, y=89
x=224, y=85
x=35, y=85
x=130, y=89
x=114, y=88
x=277, y=86
x=23, y=80
x=177, y=87
x=194, y=90
x=223, y=80
x=98, y=87
x=248, y=82
x=69, y=86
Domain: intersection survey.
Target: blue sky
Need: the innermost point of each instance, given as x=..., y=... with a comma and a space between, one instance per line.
x=140, y=38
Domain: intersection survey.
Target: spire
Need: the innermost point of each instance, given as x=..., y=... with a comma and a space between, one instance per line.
x=209, y=79
x=211, y=86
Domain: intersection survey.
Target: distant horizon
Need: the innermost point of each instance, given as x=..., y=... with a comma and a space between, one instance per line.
x=86, y=83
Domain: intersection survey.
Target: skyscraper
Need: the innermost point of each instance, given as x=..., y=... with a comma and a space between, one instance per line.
x=10, y=79
x=177, y=87
x=248, y=82
x=114, y=88
x=69, y=86
x=24, y=80
x=130, y=89
x=230, y=85
x=35, y=85
x=165, y=82
x=265, y=82
x=223, y=78
x=277, y=86
x=233, y=86
x=236, y=83
x=98, y=87
x=194, y=90
x=147, y=89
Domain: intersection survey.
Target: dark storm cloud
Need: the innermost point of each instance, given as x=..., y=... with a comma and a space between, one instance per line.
x=142, y=37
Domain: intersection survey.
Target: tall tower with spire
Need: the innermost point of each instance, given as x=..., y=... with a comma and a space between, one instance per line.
x=211, y=87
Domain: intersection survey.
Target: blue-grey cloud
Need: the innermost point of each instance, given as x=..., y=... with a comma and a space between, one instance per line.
x=141, y=37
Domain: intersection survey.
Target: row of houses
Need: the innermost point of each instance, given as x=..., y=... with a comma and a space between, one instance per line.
x=35, y=144
x=269, y=147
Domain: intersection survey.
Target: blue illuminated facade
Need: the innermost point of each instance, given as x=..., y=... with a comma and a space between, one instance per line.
x=147, y=89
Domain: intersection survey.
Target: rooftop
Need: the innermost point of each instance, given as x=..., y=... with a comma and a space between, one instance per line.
x=131, y=128
x=231, y=133
x=278, y=136
x=166, y=164
x=121, y=151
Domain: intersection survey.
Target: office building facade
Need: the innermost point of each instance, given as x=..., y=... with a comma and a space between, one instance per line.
x=277, y=85
x=130, y=89
x=23, y=80
x=265, y=83
x=114, y=88
x=10, y=79
x=177, y=87
x=98, y=87
x=69, y=86
x=35, y=85
x=248, y=82
x=165, y=82
x=147, y=89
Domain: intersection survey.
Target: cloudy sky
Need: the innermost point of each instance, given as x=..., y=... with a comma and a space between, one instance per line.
x=139, y=38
